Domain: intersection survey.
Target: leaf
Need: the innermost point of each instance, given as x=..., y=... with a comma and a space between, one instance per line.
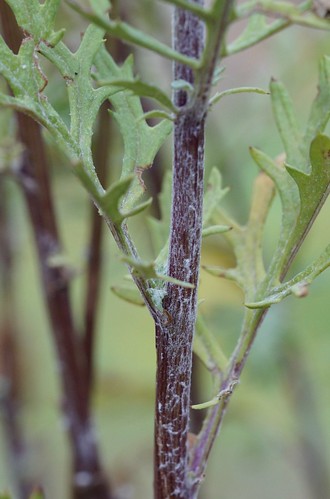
x=129, y=294
x=129, y=34
x=320, y=111
x=313, y=187
x=208, y=349
x=156, y=113
x=182, y=85
x=111, y=201
x=141, y=141
x=195, y=8
x=142, y=89
x=206, y=405
x=256, y=30
x=213, y=195
x=215, y=229
x=232, y=274
x=224, y=393
x=297, y=285
x=290, y=201
x=147, y=270
x=37, y=19
x=287, y=125
x=240, y=90
x=27, y=81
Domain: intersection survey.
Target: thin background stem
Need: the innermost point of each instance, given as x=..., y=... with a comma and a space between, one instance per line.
x=94, y=266
x=33, y=178
x=9, y=369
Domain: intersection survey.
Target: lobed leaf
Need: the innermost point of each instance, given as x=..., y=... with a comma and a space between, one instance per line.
x=207, y=347
x=129, y=34
x=219, y=95
x=320, y=111
x=314, y=187
x=110, y=202
x=257, y=29
x=287, y=125
x=129, y=294
x=141, y=142
x=37, y=19
x=289, y=196
x=297, y=285
x=147, y=270
x=215, y=229
x=143, y=89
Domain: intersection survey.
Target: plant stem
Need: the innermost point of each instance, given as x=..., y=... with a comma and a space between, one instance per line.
x=251, y=324
x=94, y=254
x=174, y=335
x=55, y=282
x=33, y=178
x=9, y=370
x=175, y=332
x=214, y=418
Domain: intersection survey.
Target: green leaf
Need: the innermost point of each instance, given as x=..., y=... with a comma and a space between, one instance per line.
x=314, y=187
x=240, y=90
x=206, y=405
x=26, y=80
x=287, y=125
x=147, y=270
x=195, y=8
x=156, y=113
x=232, y=274
x=138, y=87
x=36, y=19
x=320, y=111
x=297, y=285
x=213, y=195
x=129, y=34
x=290, y=201
x=182, y=85
x=129, y=294
x=257, y=29
x=224, y=393
x=141, y=141
x=207, y=347
x=215, y=229
x=111, y=201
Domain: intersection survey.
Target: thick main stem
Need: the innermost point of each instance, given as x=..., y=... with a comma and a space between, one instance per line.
x=174, y=334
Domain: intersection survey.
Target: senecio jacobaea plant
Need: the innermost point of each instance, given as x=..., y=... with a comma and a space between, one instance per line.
x=168, y=286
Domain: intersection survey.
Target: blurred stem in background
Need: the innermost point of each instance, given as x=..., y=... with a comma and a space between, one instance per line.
x=9, y=373
x=101, y=155
x=34, y=180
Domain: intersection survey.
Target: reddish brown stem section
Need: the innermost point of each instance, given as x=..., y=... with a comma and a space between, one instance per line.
x=9, y=370
x=95, y=242
x=174, y=334
x=33, y=178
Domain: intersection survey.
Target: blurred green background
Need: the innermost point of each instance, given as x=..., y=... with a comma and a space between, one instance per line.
x=275, y=439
